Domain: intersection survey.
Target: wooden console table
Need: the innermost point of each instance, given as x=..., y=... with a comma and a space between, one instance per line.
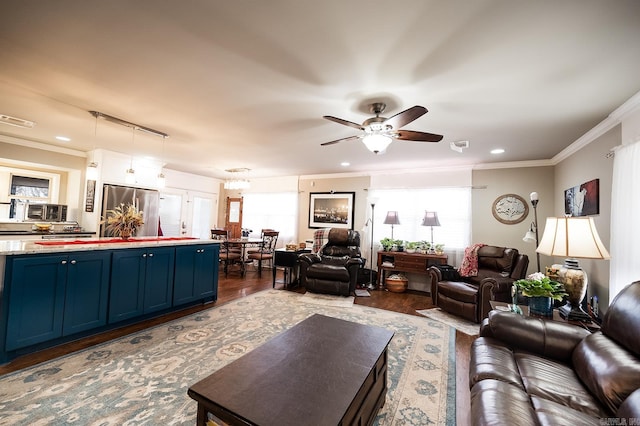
x=417, y=263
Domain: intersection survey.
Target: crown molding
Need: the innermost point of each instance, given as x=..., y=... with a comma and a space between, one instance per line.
x=612, y=120
x=42, y=146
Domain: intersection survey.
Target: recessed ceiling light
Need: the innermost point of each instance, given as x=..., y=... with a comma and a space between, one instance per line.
x=345, y=164
x=63, y=138
x=497, y=151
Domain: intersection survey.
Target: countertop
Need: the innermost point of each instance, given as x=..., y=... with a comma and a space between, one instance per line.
x=14, y=247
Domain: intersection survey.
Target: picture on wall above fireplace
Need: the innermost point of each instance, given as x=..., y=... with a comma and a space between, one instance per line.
x=583, y=200
x=331, y=209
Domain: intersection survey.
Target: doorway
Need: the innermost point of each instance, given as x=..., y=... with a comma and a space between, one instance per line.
x=233, y=218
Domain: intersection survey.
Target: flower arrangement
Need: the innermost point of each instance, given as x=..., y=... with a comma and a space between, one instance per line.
x=123, y=221
x=540, y=285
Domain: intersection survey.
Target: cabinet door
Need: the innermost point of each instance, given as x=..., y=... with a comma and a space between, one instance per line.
x=36, y=299
x=158, y=284
x=206, y=272
x=184, y=283
x=126, y=294
x=87, y=291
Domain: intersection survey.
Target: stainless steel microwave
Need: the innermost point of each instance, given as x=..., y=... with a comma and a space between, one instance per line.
x=46, y=212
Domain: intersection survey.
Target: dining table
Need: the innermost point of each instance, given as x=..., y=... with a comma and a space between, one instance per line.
x=243, y=243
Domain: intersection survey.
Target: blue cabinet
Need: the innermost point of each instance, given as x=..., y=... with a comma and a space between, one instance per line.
x=87, y=291
x=51, y=296
x=141, y=282
x=196, y=274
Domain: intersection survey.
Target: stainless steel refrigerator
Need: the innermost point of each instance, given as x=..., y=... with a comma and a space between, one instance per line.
x=146, y=200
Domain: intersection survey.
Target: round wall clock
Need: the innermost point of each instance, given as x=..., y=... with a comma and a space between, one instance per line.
x=510, y=209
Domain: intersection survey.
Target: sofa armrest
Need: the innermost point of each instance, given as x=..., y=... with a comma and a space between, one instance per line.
x=492, y=289
x=547, y=338
x=309, y=258
x=436, y=277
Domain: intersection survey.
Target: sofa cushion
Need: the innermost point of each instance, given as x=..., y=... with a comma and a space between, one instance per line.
x=556, y=381
x=621, y=322
x=328, y=272
x=497, y=403
x=459, y=291
x=608, y=369
x=490, y=359
x=550, y=413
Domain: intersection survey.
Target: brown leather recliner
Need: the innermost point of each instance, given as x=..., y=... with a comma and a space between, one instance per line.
x=334, y=269
x=469, y=297
x=534, y=371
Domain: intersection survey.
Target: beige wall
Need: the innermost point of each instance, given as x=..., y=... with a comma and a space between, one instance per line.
x=489, y=185
x=589, y=163
x=359, y=185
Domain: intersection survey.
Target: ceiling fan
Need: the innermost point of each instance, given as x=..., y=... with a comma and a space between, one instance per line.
x=378, y=132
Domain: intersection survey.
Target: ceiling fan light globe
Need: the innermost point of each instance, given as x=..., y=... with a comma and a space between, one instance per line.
x=376, y=143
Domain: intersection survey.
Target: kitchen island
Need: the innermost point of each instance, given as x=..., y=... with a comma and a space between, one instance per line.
x=54, y=291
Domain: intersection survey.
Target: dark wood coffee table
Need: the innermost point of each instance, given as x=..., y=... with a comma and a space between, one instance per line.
x=322, y=371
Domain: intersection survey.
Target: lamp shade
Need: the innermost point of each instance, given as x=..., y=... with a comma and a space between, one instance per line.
x=376, y=143
x=430, y=219
x=392, y=218
x=572, y=237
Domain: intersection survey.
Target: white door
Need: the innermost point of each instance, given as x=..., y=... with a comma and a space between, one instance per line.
x=185, y=213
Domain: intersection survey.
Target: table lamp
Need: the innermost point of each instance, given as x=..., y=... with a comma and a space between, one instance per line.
x=573, y=237
x=392, y=219
x=430, y=219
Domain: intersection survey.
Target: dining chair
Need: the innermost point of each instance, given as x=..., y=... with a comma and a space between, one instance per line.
x=227, y=257
x=266, y=251
x=257, y=248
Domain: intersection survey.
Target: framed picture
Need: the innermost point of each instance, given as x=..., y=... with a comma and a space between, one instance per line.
x=331, y=209
x=583, y=200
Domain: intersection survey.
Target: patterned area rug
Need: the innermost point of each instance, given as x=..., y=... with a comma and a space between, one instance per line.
x=327, y=300
x=143, y=378
x=465, y=326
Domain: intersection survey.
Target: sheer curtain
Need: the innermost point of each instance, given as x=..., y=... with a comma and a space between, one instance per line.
x=625, y=227
x=275, y=210
x=453, y=206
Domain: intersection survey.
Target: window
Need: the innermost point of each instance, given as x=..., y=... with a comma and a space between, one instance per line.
x=278, y=211
x=24, y=190
x=453, y=206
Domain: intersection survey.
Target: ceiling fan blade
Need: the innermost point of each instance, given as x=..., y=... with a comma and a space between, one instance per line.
x=411, y=135
x=405, y=117
x=344, y=122
x=340, y=140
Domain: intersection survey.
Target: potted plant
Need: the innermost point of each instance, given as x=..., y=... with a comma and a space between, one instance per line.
x=541, y=290
x=398, y=245
x=411, y=246
x=123, y=221
x=386, y=244
x=439, y=248
x=425, y=246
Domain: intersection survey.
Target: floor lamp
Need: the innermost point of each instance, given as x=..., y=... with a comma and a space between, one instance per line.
x=371, y=286
x=532, y=234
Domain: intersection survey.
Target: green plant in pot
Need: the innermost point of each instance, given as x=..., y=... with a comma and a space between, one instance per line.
x=411, y=246
x=398, y=245
x=439, y=248
x=541, y=291
x=386, y=244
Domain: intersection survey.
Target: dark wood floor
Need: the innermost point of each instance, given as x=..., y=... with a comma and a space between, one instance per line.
x=235, y=287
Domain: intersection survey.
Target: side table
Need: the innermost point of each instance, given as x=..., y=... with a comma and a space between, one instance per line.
x=591, y=326
x=287, y=259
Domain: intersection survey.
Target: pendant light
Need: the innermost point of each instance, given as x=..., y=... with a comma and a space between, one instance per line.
x=130, y=176
x=92, y=167
x=161, y=181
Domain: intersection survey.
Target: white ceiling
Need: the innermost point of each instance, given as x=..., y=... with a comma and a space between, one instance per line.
x=246, y=83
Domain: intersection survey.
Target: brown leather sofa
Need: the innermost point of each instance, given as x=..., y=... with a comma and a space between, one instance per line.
x=532, y=371
x=469, y=297
x=334, y=269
